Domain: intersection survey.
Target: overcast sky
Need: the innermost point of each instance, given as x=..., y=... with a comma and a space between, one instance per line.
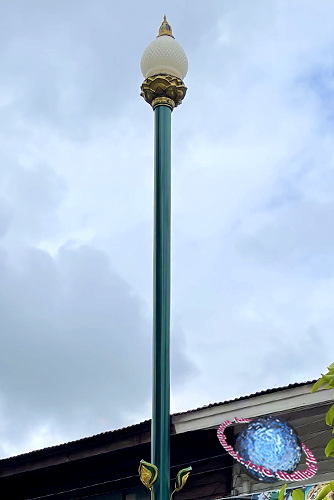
x=253, y=209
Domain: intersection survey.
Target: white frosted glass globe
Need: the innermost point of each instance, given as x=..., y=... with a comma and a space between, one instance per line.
x=164, y=55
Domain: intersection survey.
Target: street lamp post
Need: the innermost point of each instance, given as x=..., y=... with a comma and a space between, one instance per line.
x=164, y=64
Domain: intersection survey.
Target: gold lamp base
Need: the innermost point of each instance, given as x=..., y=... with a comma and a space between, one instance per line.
x=163, y=90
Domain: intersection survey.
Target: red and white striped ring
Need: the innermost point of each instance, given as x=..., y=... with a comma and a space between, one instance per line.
x=311, y=461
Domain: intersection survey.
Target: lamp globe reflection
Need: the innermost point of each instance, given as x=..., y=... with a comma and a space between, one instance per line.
x=164, y=55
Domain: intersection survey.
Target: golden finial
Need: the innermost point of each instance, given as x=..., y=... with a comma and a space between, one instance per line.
x=165, y=28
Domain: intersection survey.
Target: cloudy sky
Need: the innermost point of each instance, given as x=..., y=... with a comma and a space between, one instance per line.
x=253, y=209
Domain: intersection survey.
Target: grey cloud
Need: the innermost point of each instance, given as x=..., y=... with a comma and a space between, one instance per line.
x=31, y=197
x=289, y=359
x=298, y=229
x=76, y=338
x=69, y=64
x=296, y=236
x=252, y=204
x=5, y=217
x=76, y=347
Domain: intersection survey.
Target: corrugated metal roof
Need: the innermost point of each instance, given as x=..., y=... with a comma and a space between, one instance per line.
x=255, y=394
x=133, y=427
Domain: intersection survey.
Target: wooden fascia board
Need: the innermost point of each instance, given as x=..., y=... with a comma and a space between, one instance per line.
x=27, y=462
x=265, y=404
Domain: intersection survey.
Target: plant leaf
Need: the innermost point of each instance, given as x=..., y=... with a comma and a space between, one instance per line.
x=327, y=376
x=329, y=450
x=181, y=478
x=330, y=416
x=281, y=492
x=330, y=384
x=318, y=384
x=298, y=495
x=148, y=473
x=323, y=493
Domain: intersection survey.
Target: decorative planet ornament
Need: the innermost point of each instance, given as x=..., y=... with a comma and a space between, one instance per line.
x=269, y=450
x=270, y=442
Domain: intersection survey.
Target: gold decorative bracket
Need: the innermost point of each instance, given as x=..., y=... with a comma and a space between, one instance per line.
x=163, y=90
x=148, y=474
x=181, y=479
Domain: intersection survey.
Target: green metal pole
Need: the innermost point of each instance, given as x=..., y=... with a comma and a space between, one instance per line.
x=161, y=312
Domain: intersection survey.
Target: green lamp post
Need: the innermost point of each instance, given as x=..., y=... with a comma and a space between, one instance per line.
x=164, y=64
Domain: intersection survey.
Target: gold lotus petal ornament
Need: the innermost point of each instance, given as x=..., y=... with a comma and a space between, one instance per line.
x=148, y=474
x=181, y=479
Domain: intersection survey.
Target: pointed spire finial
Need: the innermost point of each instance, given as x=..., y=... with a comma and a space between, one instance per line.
x=165, y=28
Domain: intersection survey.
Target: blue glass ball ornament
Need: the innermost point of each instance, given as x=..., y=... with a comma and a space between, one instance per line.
x=272, y=443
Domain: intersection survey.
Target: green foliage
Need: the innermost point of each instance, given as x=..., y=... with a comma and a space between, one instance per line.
x=325, y=490
x=298, y=495
x=319, y=383
x=282, y=492
x=330, y=416
x=329, y=450
x=327, y=379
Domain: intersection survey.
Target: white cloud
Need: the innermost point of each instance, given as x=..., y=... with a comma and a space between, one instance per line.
x=252, y=206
